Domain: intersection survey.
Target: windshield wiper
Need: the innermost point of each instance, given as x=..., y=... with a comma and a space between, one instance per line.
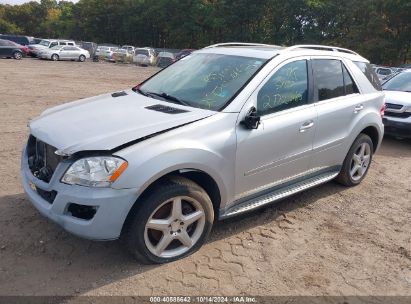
x=140, y=91
x=169, y=97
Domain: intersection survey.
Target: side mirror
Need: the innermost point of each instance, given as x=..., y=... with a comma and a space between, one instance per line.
x=251, y=120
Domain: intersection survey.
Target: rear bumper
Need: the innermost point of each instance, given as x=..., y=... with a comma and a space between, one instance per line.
x=112, y=205
x=397, y=128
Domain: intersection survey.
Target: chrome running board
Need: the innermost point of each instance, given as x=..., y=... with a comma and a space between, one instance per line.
x=278, y=194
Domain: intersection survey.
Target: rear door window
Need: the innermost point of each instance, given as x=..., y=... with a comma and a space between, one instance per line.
x=368, y=71
x=329, y=79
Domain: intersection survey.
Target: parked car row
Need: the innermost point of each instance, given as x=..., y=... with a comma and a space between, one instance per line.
x=145, y=56
x=63, y=49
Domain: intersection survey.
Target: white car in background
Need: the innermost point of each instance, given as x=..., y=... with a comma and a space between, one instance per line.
x=144, y=56
x=61, y=52
x=129, y=48
x=104, y=51
x=383, y=72
x=45, y=44
x=397, y=117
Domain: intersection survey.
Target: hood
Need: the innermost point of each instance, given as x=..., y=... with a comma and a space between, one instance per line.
x=105, y=122
x=398, y=97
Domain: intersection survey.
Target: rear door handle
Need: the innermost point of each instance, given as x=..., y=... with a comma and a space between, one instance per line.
x=307, y=125
x=358, y=108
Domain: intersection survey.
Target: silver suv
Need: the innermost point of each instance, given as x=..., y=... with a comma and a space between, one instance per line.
x=227, y=129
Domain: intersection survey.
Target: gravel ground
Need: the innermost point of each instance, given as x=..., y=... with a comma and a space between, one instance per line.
x=329, y=240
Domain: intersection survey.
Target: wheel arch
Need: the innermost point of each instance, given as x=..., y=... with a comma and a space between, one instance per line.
x=200, y=177
x=373, y=133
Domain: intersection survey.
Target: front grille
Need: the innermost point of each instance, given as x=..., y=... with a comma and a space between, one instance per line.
x=42, y=159
x=393, y=106
x=398, y=115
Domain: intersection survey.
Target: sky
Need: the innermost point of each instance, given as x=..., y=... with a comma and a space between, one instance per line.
x=22, y=1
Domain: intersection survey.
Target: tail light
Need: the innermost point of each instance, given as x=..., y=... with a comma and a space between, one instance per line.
x=382, y=110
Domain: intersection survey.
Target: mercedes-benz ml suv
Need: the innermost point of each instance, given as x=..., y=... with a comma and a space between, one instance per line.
x=225, y=130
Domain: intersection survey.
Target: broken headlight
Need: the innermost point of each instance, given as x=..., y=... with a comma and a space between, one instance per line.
x=99, y=171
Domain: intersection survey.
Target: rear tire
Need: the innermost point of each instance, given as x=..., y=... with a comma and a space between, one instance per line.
x=82, y=58
x=55, y=57
x=17, y=55
x=357, y=162
x=171, y=222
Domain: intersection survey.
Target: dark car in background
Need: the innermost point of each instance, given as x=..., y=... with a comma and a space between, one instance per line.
x=20, y=39
x=164, y=59
x=37, y=40
x=184, y=53
x=10, y=49
x=91, y=47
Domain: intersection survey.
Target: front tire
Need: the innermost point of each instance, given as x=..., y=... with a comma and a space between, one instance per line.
x=171, y=222
x=357, y=162
x=55, y=57
x=82, y=58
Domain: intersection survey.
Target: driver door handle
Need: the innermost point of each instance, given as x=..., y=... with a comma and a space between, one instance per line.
x=307, y=125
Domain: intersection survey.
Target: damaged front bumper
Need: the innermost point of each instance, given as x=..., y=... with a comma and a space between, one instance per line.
x=92, y=213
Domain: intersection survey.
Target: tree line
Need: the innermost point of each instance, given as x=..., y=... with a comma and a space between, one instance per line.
x=380, y=30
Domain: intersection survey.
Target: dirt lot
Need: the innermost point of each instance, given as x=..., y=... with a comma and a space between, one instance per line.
x=329, y=240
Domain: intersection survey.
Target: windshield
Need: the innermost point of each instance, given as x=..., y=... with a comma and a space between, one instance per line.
x=207, y=81
x=400, y=82
x=44, y=42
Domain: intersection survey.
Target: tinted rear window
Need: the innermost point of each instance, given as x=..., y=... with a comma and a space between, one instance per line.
x=329, y=78
x=369, y=73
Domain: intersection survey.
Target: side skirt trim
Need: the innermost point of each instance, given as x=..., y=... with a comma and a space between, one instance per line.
x=278, y=194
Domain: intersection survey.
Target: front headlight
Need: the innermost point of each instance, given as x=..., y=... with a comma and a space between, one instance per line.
x=99, y=171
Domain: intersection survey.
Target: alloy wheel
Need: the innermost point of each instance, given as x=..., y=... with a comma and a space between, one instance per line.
x=360, y=161
x=174, y=227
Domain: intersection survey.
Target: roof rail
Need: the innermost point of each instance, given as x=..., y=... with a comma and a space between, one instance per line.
x=321, y=47
x=240, y=44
